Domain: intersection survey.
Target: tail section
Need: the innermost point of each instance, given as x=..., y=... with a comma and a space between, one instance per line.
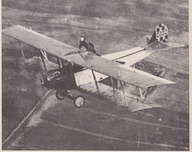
x=160, y=34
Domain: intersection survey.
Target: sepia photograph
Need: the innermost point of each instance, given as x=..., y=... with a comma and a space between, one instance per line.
x=95, y=75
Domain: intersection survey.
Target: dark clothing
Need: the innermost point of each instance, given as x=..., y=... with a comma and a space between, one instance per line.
x=84, y=44
x=89, y=46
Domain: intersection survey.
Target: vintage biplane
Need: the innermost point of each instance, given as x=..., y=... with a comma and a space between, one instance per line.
x=75, y=69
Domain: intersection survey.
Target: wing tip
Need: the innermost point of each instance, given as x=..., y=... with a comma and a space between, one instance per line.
x=175, y=45
x=171, y=82
x=165, y=81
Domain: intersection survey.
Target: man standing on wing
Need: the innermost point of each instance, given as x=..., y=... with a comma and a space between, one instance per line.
x=89, y=46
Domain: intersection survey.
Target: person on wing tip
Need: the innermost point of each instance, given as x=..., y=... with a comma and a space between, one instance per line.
x=87, y=45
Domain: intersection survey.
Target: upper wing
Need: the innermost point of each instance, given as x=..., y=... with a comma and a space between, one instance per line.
x=130, y=56
x=101, y=65
x=129, y=75
x=122, y=54
x=39, y=40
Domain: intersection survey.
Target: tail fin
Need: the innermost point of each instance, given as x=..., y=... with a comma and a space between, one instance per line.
x=160, y=34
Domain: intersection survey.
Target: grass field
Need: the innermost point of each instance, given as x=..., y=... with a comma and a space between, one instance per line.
x=111, y=25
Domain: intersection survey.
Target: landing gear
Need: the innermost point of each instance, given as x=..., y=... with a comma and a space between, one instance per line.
x=60, y=94
x=78, y=101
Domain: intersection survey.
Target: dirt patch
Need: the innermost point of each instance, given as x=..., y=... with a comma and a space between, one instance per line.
x=36, y=118
x=20, y=90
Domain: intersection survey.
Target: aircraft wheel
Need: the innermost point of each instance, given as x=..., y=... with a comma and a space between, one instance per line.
x=61, y=94
x=79, y=101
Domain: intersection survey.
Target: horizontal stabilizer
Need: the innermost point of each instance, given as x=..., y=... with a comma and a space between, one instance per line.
x=174, y=45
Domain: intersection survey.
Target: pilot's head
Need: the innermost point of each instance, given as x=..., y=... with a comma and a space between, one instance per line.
x=82, y=38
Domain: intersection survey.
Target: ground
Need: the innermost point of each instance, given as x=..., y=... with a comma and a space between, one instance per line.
x=112, y=26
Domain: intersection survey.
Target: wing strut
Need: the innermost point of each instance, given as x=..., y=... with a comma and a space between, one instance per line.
x=141, y=95
x=22, y=52
x=60, y=63
x=95, y=81
x=124, y=93
x=112, y=83
x=42, y=58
